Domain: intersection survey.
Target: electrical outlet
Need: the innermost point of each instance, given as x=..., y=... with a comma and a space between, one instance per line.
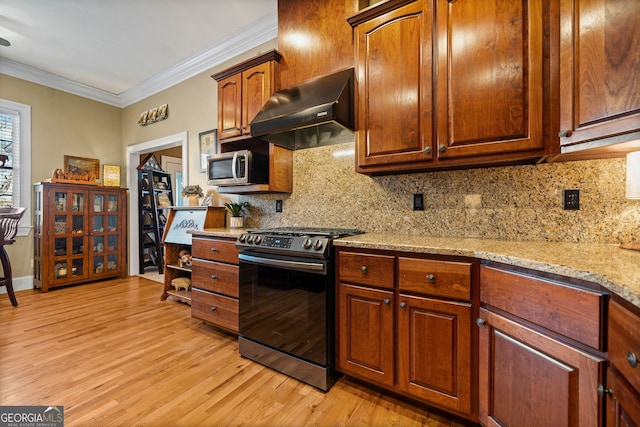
x=278, y=205
x=418, y=202
x=571, y=200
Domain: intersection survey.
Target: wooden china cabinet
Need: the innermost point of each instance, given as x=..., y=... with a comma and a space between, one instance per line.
x=80, y=234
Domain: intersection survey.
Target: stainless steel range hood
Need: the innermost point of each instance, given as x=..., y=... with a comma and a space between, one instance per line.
x=317, y=112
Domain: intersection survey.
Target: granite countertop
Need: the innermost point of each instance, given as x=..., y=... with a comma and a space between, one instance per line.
x=218, y=232
x=616, y=269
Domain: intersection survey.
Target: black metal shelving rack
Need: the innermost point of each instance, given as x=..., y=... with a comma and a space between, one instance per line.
x=155, y=196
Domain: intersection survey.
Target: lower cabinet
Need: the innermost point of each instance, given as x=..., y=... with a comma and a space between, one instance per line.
x=623, y=375
x=214, y=282
x=402, y=331
x=536, y=368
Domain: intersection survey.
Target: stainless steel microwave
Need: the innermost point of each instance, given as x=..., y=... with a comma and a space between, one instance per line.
x=243, y=167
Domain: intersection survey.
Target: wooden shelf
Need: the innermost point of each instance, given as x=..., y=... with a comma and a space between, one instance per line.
x=182, y=296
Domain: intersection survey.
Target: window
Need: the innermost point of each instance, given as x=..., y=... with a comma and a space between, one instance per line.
x=15, y=159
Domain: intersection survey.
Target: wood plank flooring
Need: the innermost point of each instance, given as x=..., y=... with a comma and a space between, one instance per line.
x=113, y=354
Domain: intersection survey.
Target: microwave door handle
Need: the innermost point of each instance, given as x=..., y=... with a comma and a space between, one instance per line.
x=234, y=171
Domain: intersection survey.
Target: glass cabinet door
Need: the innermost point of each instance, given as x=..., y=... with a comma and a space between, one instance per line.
x=70, y=235
x=104, y=233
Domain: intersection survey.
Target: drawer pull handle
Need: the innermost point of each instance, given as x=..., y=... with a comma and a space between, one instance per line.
x=213, y=249
x=632, y=359
x=431, y=278
x=480, y=322
x=602, y=392
x=387, y=301
x=403, y=305
x=364, y=269
x=214, y=277
x=213, y=308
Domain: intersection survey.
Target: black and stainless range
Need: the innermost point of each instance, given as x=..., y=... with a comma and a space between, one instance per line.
x=287, y=300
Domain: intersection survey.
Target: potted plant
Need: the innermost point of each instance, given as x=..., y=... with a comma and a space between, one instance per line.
x=192, y=194
x=235, y=209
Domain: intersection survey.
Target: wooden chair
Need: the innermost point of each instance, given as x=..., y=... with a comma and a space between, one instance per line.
x=9, y=219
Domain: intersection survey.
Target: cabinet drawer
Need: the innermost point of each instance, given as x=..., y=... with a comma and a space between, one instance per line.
x=366, y=269
x=624, y=342
x=440, y=278
x=215, y=250
x=576, y=313
x=215, y=309
x=215, y=277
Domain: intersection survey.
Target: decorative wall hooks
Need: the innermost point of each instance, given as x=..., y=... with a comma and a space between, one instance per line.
x=154, y=115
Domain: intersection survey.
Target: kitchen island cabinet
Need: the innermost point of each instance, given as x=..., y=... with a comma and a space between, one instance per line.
x=411, y=332
x=449, y=108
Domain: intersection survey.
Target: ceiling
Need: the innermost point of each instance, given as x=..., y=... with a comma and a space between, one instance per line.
x=122, y=51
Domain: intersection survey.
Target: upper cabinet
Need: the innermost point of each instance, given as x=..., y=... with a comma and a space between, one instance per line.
x=242, y=91
x=599, y=73
x=455, y=85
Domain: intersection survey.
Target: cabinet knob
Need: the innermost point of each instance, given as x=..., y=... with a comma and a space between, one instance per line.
x=480, y=322
x=564, y=133
x=214, y=277
x=364, y=269
x=632, y=359
x=213, y=308
x=427, y=150
x=213, y=249
x=387, y=301
x=403, y=305
x=431, y=277
x=602, y=392
x=442, y=148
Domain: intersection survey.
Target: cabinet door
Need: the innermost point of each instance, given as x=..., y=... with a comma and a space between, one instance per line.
x=600, y=69
x=106, y=245
x=528, y=379
x=434, y=351
x=365, y=333
x=230, y=106
x=70, y=227
x=623, y=403
x=257, y=87
x=489, y=77
x=395, y=116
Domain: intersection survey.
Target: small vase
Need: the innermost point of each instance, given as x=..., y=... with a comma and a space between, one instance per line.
x=192, y=200
x=236, y=222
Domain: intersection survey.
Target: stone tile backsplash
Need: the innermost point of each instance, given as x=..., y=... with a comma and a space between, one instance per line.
x=511, y=202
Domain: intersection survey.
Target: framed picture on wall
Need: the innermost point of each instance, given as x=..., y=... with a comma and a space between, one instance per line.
x=208, y=146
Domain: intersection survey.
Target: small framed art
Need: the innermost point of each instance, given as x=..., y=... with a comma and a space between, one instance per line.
x=208, y=146
x=111, y=176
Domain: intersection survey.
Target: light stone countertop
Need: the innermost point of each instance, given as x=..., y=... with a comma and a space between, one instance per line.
x=218, y=232
x=617, y=270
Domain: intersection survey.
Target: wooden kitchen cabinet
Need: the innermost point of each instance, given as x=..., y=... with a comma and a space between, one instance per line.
x=422, y=110
x=242, y=91
x=623, y=375
x=403, y=331
x=80, y=234
x=540, y=362
x=214, y=282
x=599, y=72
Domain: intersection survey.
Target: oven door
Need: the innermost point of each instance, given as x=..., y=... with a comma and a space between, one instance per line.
x=284, y=303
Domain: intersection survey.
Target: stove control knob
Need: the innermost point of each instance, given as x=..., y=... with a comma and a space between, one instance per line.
x=249, y=238
x=318, y=245
x=307, y=243
x=257, y=240
x=242, y=238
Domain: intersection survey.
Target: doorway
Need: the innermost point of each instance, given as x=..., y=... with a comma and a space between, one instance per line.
x=132, y=161
x=173, y=165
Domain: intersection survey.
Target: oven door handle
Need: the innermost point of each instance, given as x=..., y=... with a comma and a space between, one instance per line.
x=270, y=262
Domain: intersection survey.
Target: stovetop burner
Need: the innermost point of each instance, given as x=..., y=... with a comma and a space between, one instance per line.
x=306, y=242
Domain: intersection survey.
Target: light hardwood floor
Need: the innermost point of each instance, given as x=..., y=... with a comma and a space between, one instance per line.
x=113, y=354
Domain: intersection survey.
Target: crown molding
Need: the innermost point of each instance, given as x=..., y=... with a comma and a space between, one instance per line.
x=259, y=32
